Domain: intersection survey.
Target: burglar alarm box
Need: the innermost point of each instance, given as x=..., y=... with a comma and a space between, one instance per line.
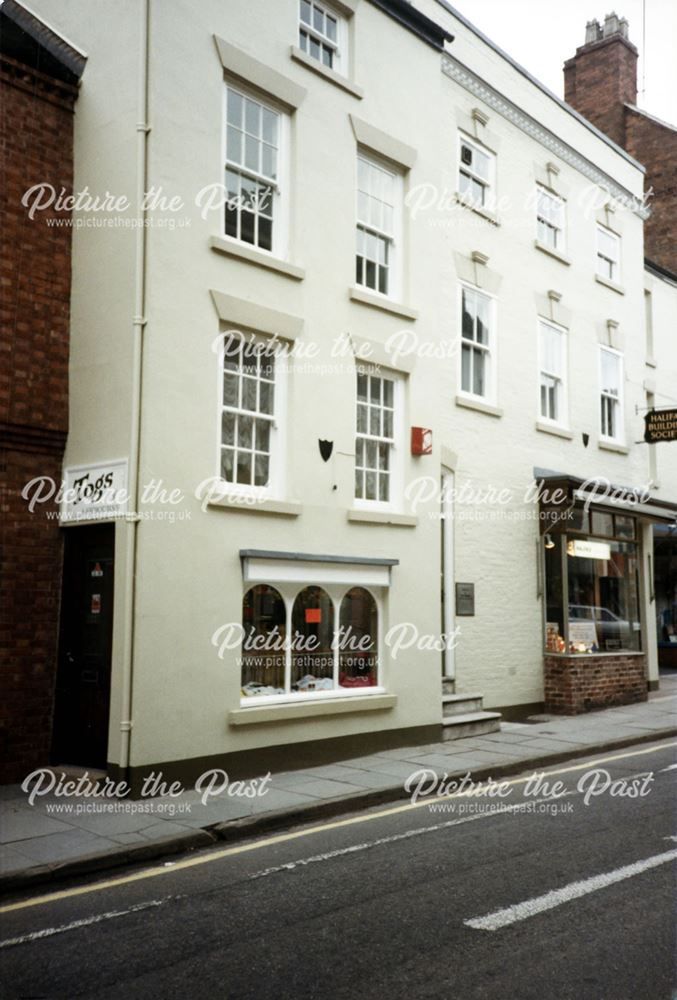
x=421, y=441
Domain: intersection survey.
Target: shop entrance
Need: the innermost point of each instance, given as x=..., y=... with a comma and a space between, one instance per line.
x=82, y=702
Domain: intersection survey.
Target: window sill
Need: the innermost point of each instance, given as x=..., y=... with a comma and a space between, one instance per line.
x=478, y=210
x=299, y=710
x=621, y=449
x=609, y=284
x=381, y=302
x=593, y=656
x=254, y=505
x=329, y=74
x=479, y=405
x=552, y=252
x=222, y=244
x=381, y=517
x=554, y=429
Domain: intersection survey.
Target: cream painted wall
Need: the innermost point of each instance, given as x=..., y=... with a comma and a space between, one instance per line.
x=189, y=576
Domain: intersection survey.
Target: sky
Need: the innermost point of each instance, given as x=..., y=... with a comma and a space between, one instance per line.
x=541, y=34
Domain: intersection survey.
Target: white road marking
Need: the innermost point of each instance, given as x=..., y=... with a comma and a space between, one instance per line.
x=214, y=854
x=406, y=835
x=85, y=922
x=531, y=907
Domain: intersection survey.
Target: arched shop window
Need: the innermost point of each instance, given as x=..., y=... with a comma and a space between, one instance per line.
x=263, y=659
x=312, y=658
x=358, y=639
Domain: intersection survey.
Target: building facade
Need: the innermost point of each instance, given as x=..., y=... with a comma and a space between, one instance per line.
x=601, y=83
x=349, y=373
x=39, y=86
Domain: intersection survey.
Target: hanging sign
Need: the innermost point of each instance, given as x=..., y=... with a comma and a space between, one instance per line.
x=589, y=550
x=660, y=425
x=96, y=492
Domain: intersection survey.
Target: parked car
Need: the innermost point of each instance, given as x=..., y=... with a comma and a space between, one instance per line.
x=612, y=631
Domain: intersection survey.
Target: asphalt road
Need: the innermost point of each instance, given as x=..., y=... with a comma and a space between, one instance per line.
x=547, y=899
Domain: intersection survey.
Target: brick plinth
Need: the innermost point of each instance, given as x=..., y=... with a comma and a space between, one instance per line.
x=575, y=684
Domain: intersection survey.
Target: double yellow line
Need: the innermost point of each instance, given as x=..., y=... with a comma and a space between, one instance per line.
x=257, y=845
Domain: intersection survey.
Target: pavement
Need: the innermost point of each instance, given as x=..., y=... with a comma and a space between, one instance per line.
x=558, y=893
x=59, y=836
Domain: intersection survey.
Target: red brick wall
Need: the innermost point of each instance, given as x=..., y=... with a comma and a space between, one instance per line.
x=37, y=141
x=600, y=78
x=575, y=684
x=599, y=81
x=655, y=146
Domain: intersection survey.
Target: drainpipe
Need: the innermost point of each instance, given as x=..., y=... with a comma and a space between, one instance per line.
x=448, y=609
x=138, y=326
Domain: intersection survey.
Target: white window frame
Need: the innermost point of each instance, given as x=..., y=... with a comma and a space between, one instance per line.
x=618, y=401
x=397, y=445
x=554, y=219
x=392, y=238
x=562, y=378
x=339, y=47
x=289, y=591
x=490, y=350
x=281, y=186
x=615, y=262
x=278, y=431
x=488, y=185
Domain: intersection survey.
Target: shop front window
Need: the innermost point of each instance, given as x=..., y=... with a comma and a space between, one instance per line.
x=313, y=632
x=358, y=639
x=599, y=574
x=264, y=625
x=308, y=640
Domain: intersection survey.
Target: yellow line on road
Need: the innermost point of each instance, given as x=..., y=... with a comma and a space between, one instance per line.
x=256, y=845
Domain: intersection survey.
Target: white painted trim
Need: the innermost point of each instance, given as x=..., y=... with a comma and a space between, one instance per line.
x=262, y=570
x=491, y=399
x=449, y=576
x=562, y=423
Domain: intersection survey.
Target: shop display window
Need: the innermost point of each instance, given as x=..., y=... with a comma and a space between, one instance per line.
x=592, y=588
x=311, y=641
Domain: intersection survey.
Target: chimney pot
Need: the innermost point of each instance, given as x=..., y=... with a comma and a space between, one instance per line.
x=611, y=26
x=593, y=32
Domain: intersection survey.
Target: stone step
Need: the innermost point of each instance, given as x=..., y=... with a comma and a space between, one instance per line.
x=460, y=704
x=448, y=685
x=457, y=727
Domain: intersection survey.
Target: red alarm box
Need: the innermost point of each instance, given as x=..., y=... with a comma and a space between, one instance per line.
x=421, y=441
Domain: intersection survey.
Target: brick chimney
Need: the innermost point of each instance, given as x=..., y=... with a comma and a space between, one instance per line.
x=602, y=76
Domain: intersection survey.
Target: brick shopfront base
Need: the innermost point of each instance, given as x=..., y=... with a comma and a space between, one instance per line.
x=575, y=684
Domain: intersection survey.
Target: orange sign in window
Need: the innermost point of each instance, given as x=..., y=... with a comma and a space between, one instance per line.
x=313, y=616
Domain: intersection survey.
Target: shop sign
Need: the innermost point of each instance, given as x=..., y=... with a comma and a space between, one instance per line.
x=660, y=425
x=94, y=492
x=589, y=550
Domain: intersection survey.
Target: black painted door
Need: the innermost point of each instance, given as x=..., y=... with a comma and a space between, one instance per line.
x=83, y=678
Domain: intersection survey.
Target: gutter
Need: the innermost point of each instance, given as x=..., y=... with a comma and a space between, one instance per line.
x=138, y=328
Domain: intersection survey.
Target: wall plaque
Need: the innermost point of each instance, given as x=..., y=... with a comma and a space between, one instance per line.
x=465, y=598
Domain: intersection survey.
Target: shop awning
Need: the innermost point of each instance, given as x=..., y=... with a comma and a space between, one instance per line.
x=562, y=496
